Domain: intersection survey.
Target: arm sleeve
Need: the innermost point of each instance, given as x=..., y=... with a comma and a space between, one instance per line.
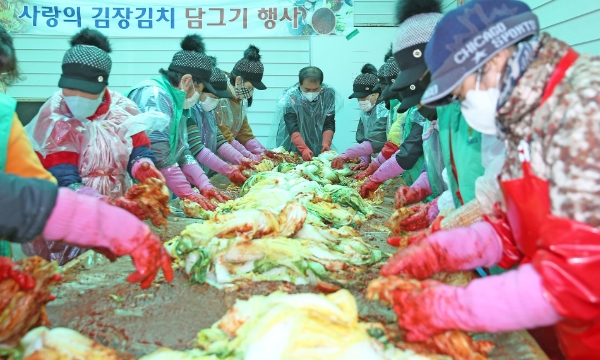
x=220, y=138
x=63, y=166
x=378, y=135
x=26, y=206
x=411, y=148
x=194, y=137
x=329, y=122
x=245, y=133
x=291, y=121
x=141, y=149
x=226, y=132
x=21, y=159
x=360, y=132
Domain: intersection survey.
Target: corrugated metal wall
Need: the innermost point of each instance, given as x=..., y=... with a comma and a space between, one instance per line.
x=134, y=60
x=381, y=12
x=573, y=21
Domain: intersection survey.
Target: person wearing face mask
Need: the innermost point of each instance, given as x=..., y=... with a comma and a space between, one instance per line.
x=542, y=97
x=91, y=139
x=246, y=76
x=204, y=137
x=371, y=133
x=381, y=75
x=409, y=160
x=173, y=94
x=305, y=117
x=396, y=121
x=464, y=153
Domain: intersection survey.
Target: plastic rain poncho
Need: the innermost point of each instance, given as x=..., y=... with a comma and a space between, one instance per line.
x=372, y=127
x=103, y=144
x=231, y=114
x=412, y=117
x=169, y=144
x=434, y=159
x=207, y=124
x=310, y=115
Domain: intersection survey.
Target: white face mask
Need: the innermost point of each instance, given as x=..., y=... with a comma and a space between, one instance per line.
x=209, y=104
x=188, y=103
x=82, y=108
x=365, y=105
x=310, y=96
x=479, y=107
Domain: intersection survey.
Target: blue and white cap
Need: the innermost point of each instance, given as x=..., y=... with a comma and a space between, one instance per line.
x=467, y=37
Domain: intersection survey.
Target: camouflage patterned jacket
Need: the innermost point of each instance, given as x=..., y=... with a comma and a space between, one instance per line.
x=564, y=131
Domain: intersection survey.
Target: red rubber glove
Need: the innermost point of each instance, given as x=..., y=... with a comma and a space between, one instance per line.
x=418, y=220
x=307, y=154
x=373, y=166
x=235, y=175
x=511, y=301
x=450, y=250
x=416, y=309
x=327, y=138
x=91, y=223
x=129, y=205
x=248, y=163
x=270, y=154
x=144, y=168
x=361, y=166
x=8, y=270
x=369, y=187
x=408, y=195
x=211, y=192
x=389, y=149
x=417, y=237
x=338, y=162
x=299, y=143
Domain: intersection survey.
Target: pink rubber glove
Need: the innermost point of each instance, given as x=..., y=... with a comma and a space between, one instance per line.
x=88, y=191
x=389, y=169
x=229, y=153
x=195, y=175
x=507, y=302
x=144, y=168
x=466, y=248
x=129, y=205
x=239, y=147
x=176, y=181
x=354, y=152
x=358, y=150
x=255, y=147
x=89, y=222
x=433, y=211
x=206, y=157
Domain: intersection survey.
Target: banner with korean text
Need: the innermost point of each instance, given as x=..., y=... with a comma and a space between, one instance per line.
x=212, y=18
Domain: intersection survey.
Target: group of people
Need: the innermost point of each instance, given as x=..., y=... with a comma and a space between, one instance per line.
x=490, y=124
x=504, y=120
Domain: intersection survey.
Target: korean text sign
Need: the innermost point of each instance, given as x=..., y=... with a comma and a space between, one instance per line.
x=223, y=18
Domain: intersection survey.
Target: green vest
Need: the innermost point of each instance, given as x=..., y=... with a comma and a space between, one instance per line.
x=411, y=175
x=8, y=106
x=177, y=98
x=461, y=145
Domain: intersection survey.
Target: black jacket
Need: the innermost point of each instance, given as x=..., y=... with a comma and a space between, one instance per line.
x=25, y=206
